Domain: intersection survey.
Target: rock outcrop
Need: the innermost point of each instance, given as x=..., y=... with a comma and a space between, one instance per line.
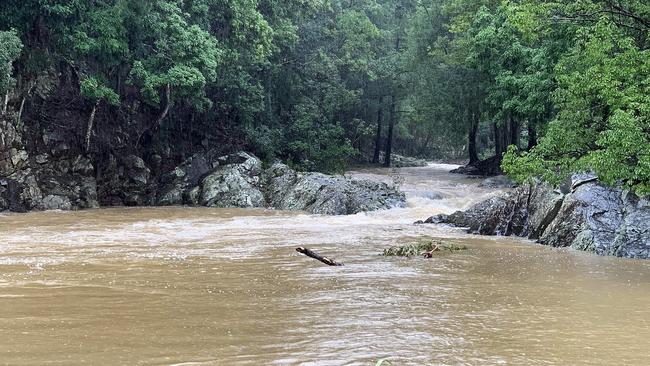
x=238, y=180
x=400, y=161
x=499, y=181
x=44, y=181
x=56, y=177
x=485, y=168
x=125, y=180
x=591, y=217
x=322, y=194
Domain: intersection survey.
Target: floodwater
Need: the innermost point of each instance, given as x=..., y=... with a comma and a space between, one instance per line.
x=197, y=286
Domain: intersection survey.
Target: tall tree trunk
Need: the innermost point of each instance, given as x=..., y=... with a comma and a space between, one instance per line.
x=498, y=145
x=89, y=129
x=391, y=126
x=22, y=105
x=424, y=147
x=515, y=131
x=6, y=102
x=532, y=133
x=471, y=143
x=20, y=112
x=149, y=131
x=506, y=135
x=380, y=116
x=165, y=110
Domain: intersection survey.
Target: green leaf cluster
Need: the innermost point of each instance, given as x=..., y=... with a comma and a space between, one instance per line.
x=10, y=47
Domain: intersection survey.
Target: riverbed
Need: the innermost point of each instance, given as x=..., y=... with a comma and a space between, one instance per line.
x=200, y=286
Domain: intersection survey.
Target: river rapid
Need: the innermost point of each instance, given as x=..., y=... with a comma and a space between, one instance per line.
x=199, y=286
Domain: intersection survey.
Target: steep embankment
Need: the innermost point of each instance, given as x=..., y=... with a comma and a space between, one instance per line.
x=589, y=216
x=43, y=181
x=54, y=180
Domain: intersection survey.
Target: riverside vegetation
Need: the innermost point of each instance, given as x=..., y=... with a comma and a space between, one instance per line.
x=423, y=247
x=151, y=102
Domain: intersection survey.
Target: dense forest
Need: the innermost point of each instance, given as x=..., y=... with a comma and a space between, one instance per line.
x=541, y=88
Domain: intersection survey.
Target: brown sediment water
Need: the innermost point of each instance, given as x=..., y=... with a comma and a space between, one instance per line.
x=200, y=286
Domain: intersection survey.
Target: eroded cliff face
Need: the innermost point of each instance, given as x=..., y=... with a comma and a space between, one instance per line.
x=590, y=217
x=58, y=178
x=43, y=181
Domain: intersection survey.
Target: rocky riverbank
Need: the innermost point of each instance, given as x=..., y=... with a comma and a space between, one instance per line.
x=239, y=180
x=401, y=161
x=57, y=177
x=587, y=215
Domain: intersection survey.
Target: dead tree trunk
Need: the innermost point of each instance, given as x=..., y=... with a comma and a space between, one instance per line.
x=380, y=115
x=89, y=129
x=312, y=254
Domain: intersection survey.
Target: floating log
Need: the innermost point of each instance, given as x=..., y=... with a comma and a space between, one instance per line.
x=311, y=254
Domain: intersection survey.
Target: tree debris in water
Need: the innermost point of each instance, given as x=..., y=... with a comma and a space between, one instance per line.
x=425, y=248
x=310, y=253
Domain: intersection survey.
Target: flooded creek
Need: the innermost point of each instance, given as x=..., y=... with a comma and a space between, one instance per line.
x=202, y=286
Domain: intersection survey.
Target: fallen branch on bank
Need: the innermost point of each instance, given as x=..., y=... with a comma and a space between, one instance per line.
x=311, y=254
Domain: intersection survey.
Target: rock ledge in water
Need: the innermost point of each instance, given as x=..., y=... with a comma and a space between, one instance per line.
x=400, y=161
x=485, y=168
x=238, y=180
x=591, y=217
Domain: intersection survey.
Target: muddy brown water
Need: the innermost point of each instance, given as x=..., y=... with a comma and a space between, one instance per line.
x=197, y=286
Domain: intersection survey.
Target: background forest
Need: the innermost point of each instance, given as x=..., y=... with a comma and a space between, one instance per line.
x=546, y=87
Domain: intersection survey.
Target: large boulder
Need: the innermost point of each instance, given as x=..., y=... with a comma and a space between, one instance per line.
x=234, y=183
x=488, y=167
x=20, y=193
x=369, y=195
x=499, y=181
x=19, y=188
x=591, y=217
x=181, y=185
x=328, y=195
x=400, y=161
x=633, y=236
x=66, y=183
x=13, y=156
x=238, y=180
x=55, y=202
x=505, y=214
x=125, y=180
x=544, y=203
x=588, y=219
x=314, y=192
x=136, y=170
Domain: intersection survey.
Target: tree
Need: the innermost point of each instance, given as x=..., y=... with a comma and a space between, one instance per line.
x=175, y=57
x=603, y=123
x=10, y=47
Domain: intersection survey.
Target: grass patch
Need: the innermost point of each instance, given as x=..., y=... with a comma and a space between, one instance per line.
x=424, y=247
